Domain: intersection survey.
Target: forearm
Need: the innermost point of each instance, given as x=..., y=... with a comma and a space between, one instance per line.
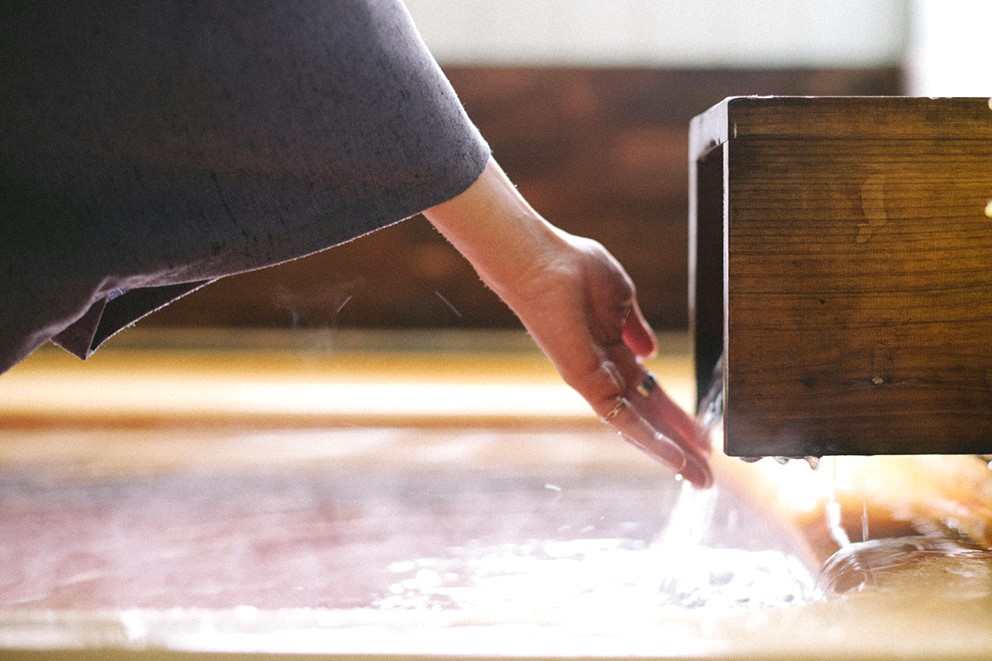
x=580, y=307
x=499, y=233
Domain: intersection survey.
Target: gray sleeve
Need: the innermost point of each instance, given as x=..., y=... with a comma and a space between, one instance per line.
x=164, y=144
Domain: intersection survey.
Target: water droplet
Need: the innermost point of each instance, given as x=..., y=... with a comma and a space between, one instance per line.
x=448, y=303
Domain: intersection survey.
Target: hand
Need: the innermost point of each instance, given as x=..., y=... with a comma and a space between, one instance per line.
x=580, y=307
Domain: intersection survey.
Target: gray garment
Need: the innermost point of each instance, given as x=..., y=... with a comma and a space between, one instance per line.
x=151, y=147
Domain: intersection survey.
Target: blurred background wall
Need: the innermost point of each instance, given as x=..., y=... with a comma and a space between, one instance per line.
x=586, y=104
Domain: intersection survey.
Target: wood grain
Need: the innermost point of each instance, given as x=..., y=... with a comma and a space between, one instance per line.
x=858, y=288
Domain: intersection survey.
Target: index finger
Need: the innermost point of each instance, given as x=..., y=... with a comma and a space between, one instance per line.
x=637, y=333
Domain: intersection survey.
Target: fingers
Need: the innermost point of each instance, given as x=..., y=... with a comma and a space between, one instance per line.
x=658, y=407
x=665, y=419
x=639, y=432
x=633, y=427
x=637, y=334
x=626, y=397
x=671, y=419
x=698, y=472
x=690, y=437
x=602, y=388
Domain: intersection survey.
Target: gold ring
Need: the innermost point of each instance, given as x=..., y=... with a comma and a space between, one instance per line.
x=647, y=385
x=615, y=411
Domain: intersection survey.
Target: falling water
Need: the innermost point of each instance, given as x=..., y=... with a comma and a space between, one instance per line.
x=864, y=518
x=711, y=406
x=833, y=511
x=717, y=551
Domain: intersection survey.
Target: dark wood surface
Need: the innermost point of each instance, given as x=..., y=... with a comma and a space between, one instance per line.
x=601, y=152
x=802, y=118
x=858, y=287
x=706, y=269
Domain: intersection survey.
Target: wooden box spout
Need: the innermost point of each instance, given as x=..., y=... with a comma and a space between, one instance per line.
x=840, y=269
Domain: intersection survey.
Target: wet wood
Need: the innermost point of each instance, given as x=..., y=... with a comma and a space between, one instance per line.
x=856, y=283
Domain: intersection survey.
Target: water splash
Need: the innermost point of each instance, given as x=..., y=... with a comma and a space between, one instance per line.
x=563, y=579
x=712, y=552
x=703, y=568
x=448, y=303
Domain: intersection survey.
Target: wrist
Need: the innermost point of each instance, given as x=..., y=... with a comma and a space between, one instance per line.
x=497, y=231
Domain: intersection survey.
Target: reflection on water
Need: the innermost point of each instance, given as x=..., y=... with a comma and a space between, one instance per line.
x=452, y=537
x=407, y=541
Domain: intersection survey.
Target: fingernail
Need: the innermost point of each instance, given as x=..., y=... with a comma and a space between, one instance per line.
x=697, y=472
